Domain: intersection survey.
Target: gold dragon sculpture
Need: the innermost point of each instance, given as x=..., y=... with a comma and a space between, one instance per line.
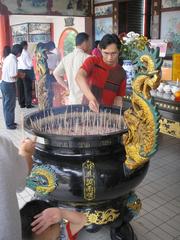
x=142, y=119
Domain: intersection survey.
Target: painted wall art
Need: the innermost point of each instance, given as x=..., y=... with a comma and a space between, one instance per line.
x=39, y=28
x=26, y=6
x=50, y=7
x=170, y=31
x=103, y=26
x=31, y=32
x=170, y=3
x=102, y=1
x=103, y=10
x=20, y=29
x=71, y=7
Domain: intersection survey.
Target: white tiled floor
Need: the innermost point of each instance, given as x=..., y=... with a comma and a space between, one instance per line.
x=159, y=218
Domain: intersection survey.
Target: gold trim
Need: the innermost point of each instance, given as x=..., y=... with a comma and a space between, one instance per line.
x=102, y=217
x=88, y=169
x=170, y=127
x=135, y=206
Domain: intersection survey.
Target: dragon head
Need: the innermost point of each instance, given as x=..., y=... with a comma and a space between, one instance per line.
x=42, y=179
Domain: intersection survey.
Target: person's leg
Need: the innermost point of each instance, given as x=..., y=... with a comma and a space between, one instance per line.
x=3, y=91
x=49, y=84
x=9, y=103
x=21, y=95
x=28, y=88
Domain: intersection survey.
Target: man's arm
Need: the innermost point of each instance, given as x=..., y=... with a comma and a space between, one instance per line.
x=13, y=71
x=51, y=216
x=118, y=101
x=81, y=79
x=77, y=220
x=27, y=59
x=26, y=150
x=59, y=75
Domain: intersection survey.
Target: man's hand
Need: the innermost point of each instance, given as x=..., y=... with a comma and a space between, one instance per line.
x=118, y=101
x=26, y=150
x=21, y=74
x=27, y=147
x=45, y=219
x=94, y=105
x=66, y=93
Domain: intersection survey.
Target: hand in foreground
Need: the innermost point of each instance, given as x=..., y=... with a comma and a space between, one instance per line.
x=118, y=101
x=45, y=219
x=66, y=93
x=27, y=147
x=94, y=105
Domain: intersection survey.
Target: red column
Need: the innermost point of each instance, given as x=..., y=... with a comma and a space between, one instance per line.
x=5, y=33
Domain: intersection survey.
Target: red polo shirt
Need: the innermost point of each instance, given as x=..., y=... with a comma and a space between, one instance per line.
x=106, y=82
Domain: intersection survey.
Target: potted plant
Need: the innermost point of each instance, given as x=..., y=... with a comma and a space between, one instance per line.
x=131, y=43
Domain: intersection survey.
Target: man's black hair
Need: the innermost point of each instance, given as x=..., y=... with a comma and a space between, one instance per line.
x=109, y=39
x=6, y=51
x=96, y=44
x=27, y=213
x=81, y=37
x=16, y=49
x=24, y=43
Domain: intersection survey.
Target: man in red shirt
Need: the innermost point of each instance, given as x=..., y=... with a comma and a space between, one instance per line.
x=102, y=79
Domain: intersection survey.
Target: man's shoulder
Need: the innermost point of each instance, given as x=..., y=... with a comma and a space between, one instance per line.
x=93, y=59
x=25, y=53
x=9, y=59
x=68, y=56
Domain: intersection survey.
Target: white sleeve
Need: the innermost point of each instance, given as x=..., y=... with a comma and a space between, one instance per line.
x=13, y=68
x=22, y=173
x=27, y=60
x=59, y=70
x=20, y=168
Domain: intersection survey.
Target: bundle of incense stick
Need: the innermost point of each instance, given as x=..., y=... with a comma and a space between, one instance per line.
x=79, y=123
x=34, y=138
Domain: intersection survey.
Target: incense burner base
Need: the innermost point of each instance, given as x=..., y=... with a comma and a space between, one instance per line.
x=124, y=232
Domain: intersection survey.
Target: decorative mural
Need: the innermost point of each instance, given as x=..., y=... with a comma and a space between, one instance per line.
x=31, y=32
x=101, y=1
x=170, y=3
x=170, y=30
x=103, y=26
x=103, y=10
x=57, y=7
x=71, y=7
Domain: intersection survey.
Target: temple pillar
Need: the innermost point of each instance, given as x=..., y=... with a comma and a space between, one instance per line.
x=5, y=33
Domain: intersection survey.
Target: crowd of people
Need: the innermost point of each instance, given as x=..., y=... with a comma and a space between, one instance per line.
x=92, y=79
x=87, y=77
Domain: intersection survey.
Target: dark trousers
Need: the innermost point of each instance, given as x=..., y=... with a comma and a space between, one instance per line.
x=49, y=86
x=9, y=102
x=24, y=87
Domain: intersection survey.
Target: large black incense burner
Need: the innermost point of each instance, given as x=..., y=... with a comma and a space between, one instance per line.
x=93, y=162
x=84, y=169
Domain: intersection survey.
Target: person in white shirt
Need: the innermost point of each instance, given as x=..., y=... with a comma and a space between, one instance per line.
x=24, y=81
x=53, y=55
x=6, y=52
x=70, y=65
x=8, y=85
